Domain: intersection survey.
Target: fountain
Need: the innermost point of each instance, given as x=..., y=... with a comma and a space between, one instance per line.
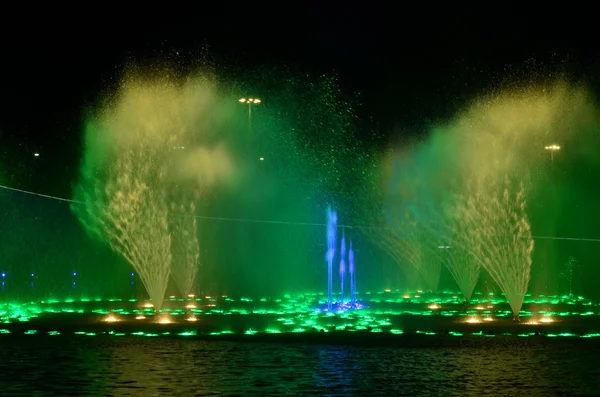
x=185, y=247
x=409, y=242
x=342, y=268
x=352, y=275
x=331, y=242
x=342, y=304
x=139, y=145
x=129, y=212
x=501, y=242
x=464, y=269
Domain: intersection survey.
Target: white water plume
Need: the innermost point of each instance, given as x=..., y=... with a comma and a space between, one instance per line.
x=501, y=239
x=128, y=210
x=185, y=246
x=412, y=244
x=467, y=185
x=399, y=252
x=153, y=133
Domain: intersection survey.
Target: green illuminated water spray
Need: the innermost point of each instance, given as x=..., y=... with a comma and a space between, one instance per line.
x=140, y=145
x=128, y=210
x=502, y=242
x=185, y=246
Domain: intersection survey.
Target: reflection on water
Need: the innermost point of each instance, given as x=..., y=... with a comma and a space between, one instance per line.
x=79, y=366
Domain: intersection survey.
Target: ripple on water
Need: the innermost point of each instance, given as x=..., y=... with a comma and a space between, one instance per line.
x=32, y=365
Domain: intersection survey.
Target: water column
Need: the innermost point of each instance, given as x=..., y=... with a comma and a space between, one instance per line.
x=331, y=237
x=352, y=277
x=342, y=267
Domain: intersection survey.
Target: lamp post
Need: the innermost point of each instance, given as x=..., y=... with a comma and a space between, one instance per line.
x=249, y=271
x=552, y=149
x=250, y=102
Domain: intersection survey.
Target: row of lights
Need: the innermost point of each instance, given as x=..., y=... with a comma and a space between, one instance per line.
x=4, y=274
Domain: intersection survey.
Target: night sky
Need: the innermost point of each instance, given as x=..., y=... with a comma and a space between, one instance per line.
x=411, y=71
x=407, y=78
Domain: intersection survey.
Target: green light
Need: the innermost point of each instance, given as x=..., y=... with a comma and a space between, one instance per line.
x=297, y=314
x=590, y=336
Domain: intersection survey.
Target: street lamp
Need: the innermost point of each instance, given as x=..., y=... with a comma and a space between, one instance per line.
x=552, y=149
x=250, y=102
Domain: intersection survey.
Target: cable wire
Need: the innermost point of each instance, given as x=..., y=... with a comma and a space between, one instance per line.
x=276, y=222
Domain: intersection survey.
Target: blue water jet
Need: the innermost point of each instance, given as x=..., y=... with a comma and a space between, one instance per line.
x=331, y=243
x=342, y=268
x=340, y=305
x=352, y=276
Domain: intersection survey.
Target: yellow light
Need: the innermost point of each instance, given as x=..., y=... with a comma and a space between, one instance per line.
x=433, y=306
x=111, y=318
x=488, y=319
x=191, y=295
x=546, y=320
x=190, y=307
x=36, y=154
x=164, y=319
x=473, y=320
x=261, y=159
x=192, y=318
x=250, y=101
x=479, y=308
x=387, y=290
x=148, y=305
x=406, y=296
x=140, y=318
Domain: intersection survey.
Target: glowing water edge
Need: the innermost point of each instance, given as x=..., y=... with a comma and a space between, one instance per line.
x=393, y=313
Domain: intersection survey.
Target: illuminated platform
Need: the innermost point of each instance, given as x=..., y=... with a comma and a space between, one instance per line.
x=379, y=316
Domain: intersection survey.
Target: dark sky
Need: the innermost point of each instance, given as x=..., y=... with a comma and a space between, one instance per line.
x=410, y=67
x=413, y=66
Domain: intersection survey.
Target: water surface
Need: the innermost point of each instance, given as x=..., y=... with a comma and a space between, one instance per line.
x=33, y=365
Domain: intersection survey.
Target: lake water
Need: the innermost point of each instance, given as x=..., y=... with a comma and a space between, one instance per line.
x=33, y=365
